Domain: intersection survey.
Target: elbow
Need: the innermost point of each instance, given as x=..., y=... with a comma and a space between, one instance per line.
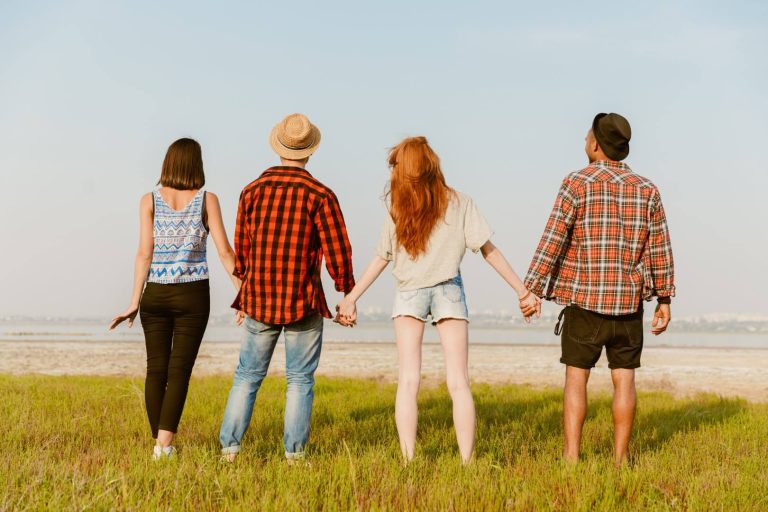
x=144, y=256
x=487, y=249
x=227, y=254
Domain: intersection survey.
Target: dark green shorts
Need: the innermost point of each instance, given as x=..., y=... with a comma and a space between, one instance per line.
x=585, y=333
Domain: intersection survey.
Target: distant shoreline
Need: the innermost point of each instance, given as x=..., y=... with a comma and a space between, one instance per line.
x=21, y=339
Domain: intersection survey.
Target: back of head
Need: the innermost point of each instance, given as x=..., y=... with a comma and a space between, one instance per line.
x=418, y=193
x=612, y=133
x=183, y=166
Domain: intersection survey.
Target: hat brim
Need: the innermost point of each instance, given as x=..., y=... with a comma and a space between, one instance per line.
x=290, y=153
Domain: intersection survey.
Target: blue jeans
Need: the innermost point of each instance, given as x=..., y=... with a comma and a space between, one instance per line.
x=303, y=341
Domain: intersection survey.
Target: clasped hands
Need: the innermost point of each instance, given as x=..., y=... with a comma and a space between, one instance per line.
x=530, y=305
x=346, y=312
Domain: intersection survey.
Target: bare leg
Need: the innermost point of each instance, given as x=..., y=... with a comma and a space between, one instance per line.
x=165, y=438
x=409, y=333
x=574, y=410
x=453, y=336
x=623, y=409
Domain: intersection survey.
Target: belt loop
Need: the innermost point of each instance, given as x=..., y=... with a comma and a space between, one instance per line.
x=558, y=326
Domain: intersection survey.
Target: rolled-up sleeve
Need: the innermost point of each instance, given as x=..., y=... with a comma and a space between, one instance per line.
x=385, y=249
x=335, y=243
x=554, y=241
x=660, y=258
x=476, y=228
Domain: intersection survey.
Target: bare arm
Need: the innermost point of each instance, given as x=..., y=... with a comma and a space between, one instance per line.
x=219, y=235
x=141, y=263
x=347, y=308
x=496, y=259
x=529, y=303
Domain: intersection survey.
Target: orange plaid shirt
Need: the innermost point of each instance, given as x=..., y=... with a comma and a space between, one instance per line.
x=606, y=245
x=286, y=222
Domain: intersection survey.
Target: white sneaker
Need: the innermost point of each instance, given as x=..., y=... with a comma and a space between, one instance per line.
x=164, y=452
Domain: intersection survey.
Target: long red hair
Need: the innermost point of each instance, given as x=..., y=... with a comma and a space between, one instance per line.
x=418, y=195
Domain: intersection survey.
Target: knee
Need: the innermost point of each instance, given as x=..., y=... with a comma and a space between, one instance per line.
x=409, y=383
x=300, y=380
x=176, y=371
x=243, y=374
x=457, y=384
x=157, y=371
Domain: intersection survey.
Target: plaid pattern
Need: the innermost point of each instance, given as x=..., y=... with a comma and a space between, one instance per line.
x=286, y=222
x=606, y=245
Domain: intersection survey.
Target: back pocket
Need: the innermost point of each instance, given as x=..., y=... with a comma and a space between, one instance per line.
x=581, y=325
x=634, y=330
x=452, y=291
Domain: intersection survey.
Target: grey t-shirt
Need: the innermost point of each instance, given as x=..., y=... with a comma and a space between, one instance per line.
x=462, y=228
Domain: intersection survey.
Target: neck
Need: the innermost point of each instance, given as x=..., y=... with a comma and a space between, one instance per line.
x=600, y=156
x=292, y=163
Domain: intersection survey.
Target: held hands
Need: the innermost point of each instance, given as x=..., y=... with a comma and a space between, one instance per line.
x=129, y=314
x=661, y=318
x=346, y=312
x=530, y=305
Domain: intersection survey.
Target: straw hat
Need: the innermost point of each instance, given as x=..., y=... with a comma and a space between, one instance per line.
x=295, y=138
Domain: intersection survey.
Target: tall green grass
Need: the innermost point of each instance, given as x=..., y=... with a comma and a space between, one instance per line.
x=83, y=443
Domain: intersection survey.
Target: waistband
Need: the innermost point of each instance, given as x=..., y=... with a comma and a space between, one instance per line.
x=192, y=285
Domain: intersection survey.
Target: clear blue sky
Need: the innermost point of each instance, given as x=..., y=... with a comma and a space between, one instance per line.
x=92, y=93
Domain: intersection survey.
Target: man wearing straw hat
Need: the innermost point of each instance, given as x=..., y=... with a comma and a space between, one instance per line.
x=287, y=221
x=605, y=249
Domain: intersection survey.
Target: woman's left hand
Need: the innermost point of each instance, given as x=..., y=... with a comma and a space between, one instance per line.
x=129, y=314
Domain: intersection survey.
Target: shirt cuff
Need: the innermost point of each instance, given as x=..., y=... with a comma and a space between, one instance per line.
x=345, y=285
x=535, y=285
x=665, y=291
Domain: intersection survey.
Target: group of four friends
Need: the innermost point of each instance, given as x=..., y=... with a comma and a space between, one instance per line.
x=605, y=250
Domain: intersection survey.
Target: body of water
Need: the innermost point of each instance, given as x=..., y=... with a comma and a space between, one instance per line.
x=539, y=333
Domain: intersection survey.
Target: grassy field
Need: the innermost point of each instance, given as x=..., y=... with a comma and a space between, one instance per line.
x=74, y=443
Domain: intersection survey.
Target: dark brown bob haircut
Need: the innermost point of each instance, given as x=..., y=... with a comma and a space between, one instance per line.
x=183, y=166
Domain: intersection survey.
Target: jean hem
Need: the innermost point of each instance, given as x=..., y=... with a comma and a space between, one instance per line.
x=295, y=455
x=230, y=449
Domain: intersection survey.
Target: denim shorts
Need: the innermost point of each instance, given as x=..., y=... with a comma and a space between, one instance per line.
x=441, y=301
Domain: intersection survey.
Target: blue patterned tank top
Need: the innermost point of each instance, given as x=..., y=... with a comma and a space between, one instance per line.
x=179, y=242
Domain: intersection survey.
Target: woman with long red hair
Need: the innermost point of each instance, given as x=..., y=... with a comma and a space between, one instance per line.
x=429, y=228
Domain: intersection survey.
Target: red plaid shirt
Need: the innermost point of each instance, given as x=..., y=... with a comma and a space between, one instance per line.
x=286, y=222
x=606, y=245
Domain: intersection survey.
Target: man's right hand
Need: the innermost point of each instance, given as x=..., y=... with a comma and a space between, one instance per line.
x=661, y=318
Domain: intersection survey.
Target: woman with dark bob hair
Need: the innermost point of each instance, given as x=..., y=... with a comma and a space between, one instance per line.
x=170, y=284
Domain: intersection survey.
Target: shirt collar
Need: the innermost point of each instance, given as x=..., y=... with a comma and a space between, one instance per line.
x=612, y=165
x=282, y=169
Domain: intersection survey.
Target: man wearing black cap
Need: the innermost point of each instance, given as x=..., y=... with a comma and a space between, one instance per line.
x=605, y=249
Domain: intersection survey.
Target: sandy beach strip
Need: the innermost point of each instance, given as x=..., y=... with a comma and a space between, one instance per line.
x=737, y=372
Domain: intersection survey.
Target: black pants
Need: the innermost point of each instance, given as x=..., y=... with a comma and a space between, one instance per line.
x=174, y=318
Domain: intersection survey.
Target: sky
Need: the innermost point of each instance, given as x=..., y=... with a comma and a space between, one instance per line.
x=92, y=93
